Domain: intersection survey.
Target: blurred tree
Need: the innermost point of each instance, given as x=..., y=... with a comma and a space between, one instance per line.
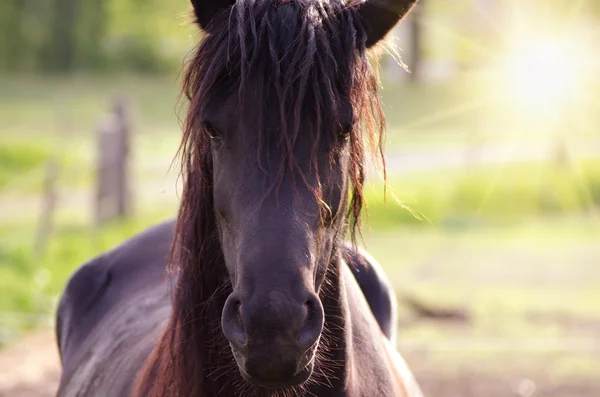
x=22, y=26
x=10, y=14
x=67, y=35
x=61, y=50
x=416, y=43
x=93, y=31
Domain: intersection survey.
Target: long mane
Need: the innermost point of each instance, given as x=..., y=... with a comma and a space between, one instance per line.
x=305, y=52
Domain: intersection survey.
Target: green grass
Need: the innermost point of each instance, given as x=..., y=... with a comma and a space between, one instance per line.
x=31, y=284
x=18, y=159
x=510, y=194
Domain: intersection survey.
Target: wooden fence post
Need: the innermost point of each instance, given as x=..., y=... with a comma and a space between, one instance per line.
x=123, y=192
x=49, y=199
x=113, y=194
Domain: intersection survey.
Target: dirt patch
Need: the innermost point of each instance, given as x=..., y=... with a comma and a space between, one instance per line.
x=30, y=367
x=488, y=385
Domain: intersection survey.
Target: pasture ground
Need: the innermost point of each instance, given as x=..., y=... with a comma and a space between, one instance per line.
x=531, y=294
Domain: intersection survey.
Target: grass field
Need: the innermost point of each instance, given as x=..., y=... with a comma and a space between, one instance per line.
x=531, y=293
x=515, y=246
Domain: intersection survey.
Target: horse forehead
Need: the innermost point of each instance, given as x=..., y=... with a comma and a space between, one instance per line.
x=252, y=110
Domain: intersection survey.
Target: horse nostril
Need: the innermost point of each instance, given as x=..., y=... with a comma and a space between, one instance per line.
x=232, y=323
x=313, y=323
x=311, y=307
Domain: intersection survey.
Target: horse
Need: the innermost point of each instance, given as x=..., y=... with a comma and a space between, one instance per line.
x=263, y=295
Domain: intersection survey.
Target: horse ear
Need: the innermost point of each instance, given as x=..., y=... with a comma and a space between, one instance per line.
x=205, y=10
x=380, y=16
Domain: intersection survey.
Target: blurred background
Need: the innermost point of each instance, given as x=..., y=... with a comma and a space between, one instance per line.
x=490, y=231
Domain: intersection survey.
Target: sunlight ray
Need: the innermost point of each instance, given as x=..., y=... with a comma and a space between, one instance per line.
x=517, y=17
x=492, y=22
x=443, y=115
x=582, y=182
x=431, y=23
x=489, y=189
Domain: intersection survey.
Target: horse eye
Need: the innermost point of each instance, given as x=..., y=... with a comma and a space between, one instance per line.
x=344, y=134
x=210, y=131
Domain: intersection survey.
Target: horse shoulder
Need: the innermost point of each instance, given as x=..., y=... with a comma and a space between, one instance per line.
x=111, y=313
x=376, y=288
x=75, y=312
x=109, y=279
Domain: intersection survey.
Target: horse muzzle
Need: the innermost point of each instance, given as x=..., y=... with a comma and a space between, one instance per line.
x=274, y=341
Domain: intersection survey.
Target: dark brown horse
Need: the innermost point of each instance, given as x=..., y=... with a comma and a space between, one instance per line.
x=262, y=300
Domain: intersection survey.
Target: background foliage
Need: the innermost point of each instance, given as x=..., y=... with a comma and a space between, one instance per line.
x=137, y=35
x=74, y=35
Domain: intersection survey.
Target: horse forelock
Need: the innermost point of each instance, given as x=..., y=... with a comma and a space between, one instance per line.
x=308, y=58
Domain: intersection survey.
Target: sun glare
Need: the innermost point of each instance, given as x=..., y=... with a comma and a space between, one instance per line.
x=542, y=75
x=544, y=68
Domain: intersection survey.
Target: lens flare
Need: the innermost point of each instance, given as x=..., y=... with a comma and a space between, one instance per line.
x=542, y=75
